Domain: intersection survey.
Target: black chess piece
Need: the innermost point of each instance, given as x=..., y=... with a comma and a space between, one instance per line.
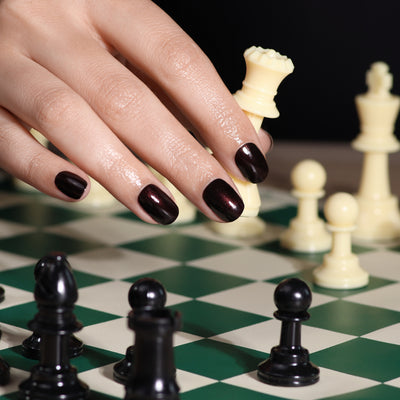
x=144, y=294
x=31, y=345
x=153, y=375
x=289, y=363
x=55, y=293
x=2, y=294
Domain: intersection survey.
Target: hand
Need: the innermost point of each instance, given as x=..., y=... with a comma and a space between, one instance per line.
x=63, y=72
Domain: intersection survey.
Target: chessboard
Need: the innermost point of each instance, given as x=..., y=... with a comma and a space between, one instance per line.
x=224, y=289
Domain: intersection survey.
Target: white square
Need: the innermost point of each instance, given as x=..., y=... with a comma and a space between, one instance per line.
x=381, y=263
x=11, y=261
x=106, y=230
x=384, y=297
x=265, y=335
x=15, y=297
x=331, y=383
x=255, y=297
x=9, y=229
x=116, y=263
x=390, y=334
x=251, y=264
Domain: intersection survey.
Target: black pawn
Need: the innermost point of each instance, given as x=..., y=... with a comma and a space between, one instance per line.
x=31, y=345
x=55, y=294
x=289, y=363
x=153, y=375
x=144, y=294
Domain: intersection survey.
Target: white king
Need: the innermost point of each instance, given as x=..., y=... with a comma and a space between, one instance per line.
x=379, y=217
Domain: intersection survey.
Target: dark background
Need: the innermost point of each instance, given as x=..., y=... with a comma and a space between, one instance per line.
x=331, y=43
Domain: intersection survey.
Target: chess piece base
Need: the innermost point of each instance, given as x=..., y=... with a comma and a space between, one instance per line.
x=243, y=227
x=340, y=273
x=122, y=368
x=31, y=347
x=288, y=367
x=49, y=384
x=378, y=219
x=306, y=237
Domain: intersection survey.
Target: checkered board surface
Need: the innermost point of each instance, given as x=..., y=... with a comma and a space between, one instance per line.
x=224, y=289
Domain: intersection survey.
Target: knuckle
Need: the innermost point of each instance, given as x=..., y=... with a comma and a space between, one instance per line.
x=179, y=56
x=54, y=106
x=33, y=166
x=119, y=99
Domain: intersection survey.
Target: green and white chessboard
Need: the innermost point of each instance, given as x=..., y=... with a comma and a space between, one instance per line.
x=223, y=287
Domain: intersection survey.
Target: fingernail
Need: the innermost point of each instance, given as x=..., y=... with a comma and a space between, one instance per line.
x=70, y=184
x=223, y=200
x=158, y=205
x=252, y=163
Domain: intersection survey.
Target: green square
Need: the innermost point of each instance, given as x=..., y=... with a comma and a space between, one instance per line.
x=38, y=214
x=275, y=247
x=178, y=247
x=205, y=319
x=15, y=358
x=192, y=281
x=10, y=396
x=20, y=315
x=307, y=276
x=38, y=244
x=216, y=360
x=381, y=392
x=362, y=357
x=23, y=278
x=351, y=318
x=223, y=391
x=280, y=216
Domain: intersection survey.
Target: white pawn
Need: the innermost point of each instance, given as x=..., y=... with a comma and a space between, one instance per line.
x=307, y=232
x=340, y=268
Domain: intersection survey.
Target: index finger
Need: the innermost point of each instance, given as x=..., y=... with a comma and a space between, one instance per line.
x=157, y=46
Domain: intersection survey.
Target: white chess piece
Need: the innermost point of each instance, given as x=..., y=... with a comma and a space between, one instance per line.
x=307, y=232
x=340, y=268
x=379, y=217
x=265, y=70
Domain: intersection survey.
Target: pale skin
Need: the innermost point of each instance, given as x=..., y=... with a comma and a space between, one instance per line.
x=102, y=79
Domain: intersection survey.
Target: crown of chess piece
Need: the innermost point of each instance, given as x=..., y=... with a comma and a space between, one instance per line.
x=31, y=345
x=153, y=375
x=306, y=232
x=289, y=363
x=145, y=294
x=55, y=294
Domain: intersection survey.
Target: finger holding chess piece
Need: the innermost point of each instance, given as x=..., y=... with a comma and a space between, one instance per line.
x=340, y=268
x=307, y=232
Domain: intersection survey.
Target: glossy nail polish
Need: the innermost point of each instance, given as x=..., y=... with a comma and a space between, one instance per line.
x=252, y=163
x=70, y=184
x=158, y=205
x=223, y=200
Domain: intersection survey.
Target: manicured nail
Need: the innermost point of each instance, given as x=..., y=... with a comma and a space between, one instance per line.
x=252, y=163
x=158, y=205
x=70, y=184
x=223, y=200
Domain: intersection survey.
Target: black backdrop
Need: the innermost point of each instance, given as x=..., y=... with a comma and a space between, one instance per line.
x=332, y=44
